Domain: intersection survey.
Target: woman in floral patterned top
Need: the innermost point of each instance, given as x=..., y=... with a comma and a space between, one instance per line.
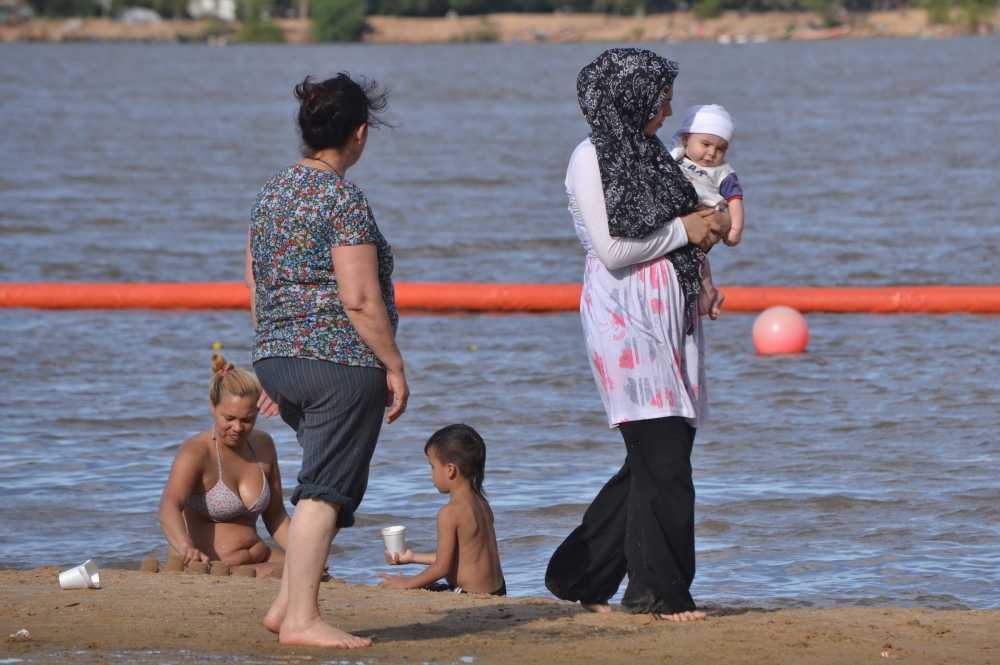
x=319, y=273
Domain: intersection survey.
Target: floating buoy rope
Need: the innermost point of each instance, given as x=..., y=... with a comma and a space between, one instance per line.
x=509, y=297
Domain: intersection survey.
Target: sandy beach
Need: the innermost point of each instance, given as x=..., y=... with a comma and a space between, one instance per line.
x=220, y=616
x=514, y=27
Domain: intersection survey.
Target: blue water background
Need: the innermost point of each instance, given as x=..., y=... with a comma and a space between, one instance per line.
x=861, y=473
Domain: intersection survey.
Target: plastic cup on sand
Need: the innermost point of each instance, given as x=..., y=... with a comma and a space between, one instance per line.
x=395, y=539
x=83, y=576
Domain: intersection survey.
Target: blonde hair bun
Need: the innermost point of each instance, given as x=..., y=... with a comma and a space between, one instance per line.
x=226, y=378
x=219, y=363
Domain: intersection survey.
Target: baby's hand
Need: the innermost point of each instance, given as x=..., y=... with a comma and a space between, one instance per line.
x=396, y=582
x=732, y=238
x=710, y=301
x=394, y=558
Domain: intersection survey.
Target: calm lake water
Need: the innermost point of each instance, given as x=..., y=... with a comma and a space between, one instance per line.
x=861, y=473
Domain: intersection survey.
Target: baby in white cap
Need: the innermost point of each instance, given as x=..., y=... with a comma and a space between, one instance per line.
x=699, y=145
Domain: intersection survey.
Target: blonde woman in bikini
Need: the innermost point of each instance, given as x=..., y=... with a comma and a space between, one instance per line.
x=223, y=479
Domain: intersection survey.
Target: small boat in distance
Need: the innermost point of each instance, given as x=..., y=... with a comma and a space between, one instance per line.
x=827, y=33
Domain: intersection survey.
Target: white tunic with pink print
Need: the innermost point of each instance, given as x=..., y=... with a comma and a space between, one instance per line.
x=633, y=311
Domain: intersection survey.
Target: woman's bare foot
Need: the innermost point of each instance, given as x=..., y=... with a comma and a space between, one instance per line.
x=318, y=633
x=683, y=616
x=598, y=608
x=275, y=616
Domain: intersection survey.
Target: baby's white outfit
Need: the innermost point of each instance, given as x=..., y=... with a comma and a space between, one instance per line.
x=715, y=185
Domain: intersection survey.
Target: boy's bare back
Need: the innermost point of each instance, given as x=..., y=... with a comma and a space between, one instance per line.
x=468, y=520
x=467, y=555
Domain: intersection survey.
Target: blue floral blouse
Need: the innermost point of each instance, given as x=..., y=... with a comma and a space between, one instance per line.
x=299, y=215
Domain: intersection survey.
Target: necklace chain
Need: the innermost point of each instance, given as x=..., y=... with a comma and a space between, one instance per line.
x=332, y=168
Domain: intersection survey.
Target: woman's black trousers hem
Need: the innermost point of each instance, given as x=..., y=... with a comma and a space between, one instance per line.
x=641, y=523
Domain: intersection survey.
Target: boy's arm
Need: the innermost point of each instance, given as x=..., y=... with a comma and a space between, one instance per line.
x=447, y=528
x=409, y=556
x=426, y=559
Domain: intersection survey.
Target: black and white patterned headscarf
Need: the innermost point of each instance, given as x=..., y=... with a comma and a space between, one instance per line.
x=620, y=92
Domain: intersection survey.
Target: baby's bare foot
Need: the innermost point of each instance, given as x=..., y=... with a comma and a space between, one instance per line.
x=599, y=608
x=710, y=301
x=683, y=616
x=716, y=308
x=321, y=634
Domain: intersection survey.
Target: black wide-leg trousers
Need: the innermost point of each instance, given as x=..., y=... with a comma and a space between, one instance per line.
x=640, y=523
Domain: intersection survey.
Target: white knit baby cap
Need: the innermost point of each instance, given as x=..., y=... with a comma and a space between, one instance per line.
x=704, y=119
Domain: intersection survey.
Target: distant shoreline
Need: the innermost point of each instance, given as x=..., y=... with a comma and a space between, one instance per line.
x=730, y=27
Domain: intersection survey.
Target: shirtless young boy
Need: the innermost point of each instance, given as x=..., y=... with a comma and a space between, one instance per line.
x=467, y=556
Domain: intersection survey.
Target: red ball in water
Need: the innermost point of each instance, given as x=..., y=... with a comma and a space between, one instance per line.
x=780, y=330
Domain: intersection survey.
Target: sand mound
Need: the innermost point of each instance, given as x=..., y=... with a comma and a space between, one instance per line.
x=220, y=569
x=175, y=564
x=198, y=568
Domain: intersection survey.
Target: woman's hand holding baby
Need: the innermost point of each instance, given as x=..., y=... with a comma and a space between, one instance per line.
x=706, y=226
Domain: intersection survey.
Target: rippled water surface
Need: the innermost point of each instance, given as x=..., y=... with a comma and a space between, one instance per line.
x=863, y=472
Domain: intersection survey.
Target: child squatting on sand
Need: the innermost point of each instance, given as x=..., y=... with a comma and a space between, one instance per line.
x=467, y=556
x=699, y=146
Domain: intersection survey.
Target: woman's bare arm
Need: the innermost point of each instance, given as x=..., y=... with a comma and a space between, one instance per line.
x=183, y=474
x=249, y=280
x=266, y=406
x=356, y=268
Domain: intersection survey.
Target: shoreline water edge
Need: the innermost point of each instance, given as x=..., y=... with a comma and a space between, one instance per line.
x=204, y=618
x=730, y=27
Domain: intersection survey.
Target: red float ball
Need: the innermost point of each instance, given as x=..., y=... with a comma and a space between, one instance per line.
x=780, y=330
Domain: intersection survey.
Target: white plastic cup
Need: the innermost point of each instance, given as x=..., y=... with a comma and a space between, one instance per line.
x=84, y=576
x=395, y=539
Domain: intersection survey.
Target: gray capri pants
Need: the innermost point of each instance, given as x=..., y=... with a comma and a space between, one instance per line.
x=336, y=411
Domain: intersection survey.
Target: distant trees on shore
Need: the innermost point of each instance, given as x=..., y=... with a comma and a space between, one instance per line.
x=339, y=20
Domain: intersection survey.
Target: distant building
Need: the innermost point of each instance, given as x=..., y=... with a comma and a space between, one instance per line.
x=224, y=10
x=14, y=12
x=140, y=15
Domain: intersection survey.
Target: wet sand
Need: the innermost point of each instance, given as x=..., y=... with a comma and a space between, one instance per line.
x=513, y=27
x=220, y=616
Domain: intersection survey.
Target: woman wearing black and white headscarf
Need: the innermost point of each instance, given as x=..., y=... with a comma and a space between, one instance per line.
x=635, y=214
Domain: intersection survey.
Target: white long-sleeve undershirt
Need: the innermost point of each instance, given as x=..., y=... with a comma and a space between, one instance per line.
x=586, y=204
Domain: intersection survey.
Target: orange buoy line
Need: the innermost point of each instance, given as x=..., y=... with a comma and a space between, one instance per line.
x=509, y=297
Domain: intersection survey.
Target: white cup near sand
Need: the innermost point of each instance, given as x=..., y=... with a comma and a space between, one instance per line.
x=84, y=576
x=395, y=539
